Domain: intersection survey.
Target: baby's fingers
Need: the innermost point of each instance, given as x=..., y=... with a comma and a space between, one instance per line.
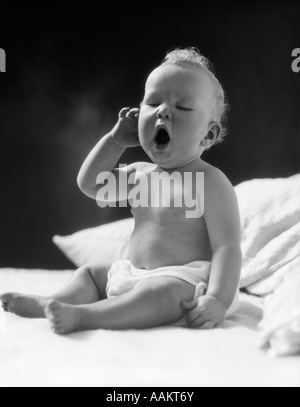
x=193, y=315
x=133, y=113
x=189, y=304
x=124, y=112
x=197, y=322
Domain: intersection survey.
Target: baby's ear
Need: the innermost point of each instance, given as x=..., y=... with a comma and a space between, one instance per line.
x=212, y=135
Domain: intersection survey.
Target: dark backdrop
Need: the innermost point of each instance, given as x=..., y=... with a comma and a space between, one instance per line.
x=70, y=71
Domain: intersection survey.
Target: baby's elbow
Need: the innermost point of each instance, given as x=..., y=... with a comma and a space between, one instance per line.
x=237, y=247
x=235, y=251
x=85, y=188
x=238, y=254
x=234, y=248
x=80, y=183
x=81, y=180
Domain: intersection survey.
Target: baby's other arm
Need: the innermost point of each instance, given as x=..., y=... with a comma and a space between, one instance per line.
x=222, y=218
x=101, y=161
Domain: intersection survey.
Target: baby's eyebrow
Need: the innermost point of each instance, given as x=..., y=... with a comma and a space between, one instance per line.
x=185, y=98
x=151, y=94
x=179, y=98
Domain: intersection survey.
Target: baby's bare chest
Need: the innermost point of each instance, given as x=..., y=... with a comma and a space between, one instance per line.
x=179, y=195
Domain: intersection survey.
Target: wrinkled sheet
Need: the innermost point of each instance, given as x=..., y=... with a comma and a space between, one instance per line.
x=31, y=355
x=281, y=323
x=270, y=214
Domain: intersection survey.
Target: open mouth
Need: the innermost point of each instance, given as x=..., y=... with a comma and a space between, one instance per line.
x=162, y=139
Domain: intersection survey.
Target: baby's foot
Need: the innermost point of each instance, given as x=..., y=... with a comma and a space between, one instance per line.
x=27, y=306
x=63, y=318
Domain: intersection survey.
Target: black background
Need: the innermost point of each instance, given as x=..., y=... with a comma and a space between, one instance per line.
x=71, y=69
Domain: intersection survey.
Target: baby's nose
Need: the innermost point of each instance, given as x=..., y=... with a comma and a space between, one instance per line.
x=163, y=112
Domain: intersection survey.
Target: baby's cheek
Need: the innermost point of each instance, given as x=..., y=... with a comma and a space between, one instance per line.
x=145, y=127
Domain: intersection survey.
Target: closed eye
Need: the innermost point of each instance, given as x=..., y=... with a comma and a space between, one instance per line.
x=152, y=104
x=183, y=108
x=177, y=107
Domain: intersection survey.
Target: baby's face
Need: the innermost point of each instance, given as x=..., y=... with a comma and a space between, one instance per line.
x=175, y=114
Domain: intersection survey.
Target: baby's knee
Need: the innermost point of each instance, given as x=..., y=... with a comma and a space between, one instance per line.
x=83, y=271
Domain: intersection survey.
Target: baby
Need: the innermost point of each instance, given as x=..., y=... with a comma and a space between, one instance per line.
x=182, y=271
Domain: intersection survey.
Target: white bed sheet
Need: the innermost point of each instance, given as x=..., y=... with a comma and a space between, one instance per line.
x=31, y=355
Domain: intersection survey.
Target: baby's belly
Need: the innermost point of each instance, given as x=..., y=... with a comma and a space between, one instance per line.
x=154, y=245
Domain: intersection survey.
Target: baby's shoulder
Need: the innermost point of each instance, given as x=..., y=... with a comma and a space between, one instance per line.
x=216, y=182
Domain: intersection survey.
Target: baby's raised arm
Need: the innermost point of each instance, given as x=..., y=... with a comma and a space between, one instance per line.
x=107, y=152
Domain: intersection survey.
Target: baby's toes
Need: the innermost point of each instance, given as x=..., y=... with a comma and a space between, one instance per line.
x=57, y=327
x=53, y=310
x=5, y=300
x=60, y=329
x=54, y=313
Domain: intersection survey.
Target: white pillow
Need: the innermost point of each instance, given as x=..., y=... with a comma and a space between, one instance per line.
x=268, y=207
x=280, y=327
x=100, y=245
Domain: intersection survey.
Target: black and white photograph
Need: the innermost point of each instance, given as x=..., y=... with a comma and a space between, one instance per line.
x=150, y=197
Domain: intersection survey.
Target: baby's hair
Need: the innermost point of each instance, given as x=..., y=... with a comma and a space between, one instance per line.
x=193, y=57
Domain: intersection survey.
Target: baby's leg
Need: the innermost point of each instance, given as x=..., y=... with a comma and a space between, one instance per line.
x=153, y=303
x=81, y=289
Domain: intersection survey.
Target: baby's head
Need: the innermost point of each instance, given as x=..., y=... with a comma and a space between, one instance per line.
x=183, y=110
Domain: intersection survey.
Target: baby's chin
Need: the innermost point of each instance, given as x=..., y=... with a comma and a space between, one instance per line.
x=178, y=164
x=163, y=158
x=169, y=158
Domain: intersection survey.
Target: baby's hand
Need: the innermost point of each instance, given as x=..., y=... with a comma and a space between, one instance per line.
x=125, y=132
x=206, y=312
